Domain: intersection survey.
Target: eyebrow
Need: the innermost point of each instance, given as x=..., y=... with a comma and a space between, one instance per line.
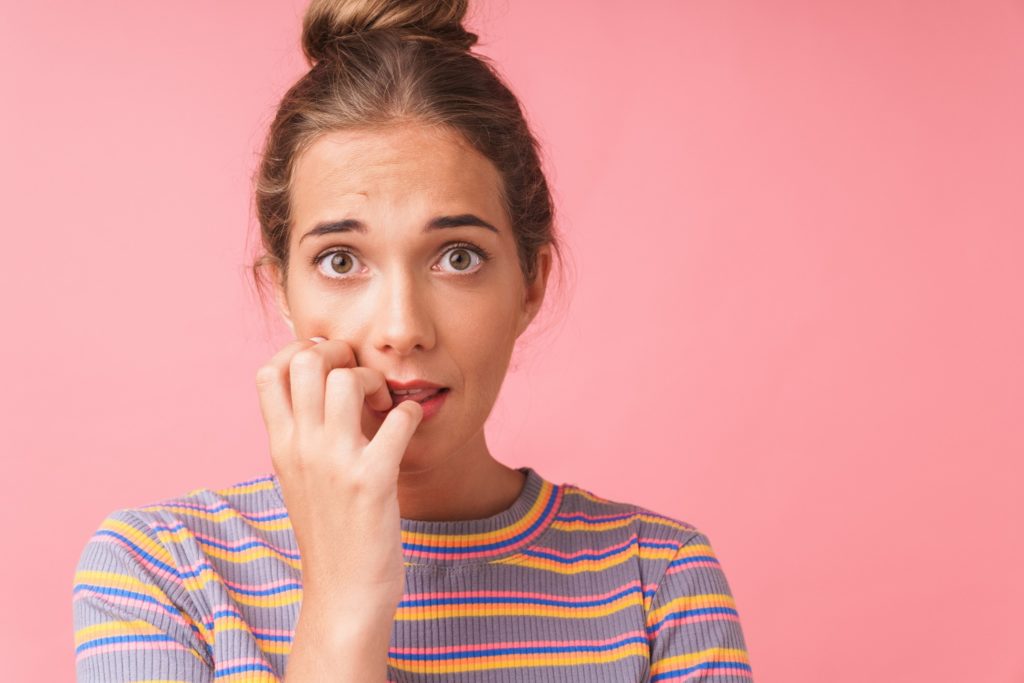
x=437, y=223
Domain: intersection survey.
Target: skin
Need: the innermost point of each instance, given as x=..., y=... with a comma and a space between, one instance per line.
x=409, y=306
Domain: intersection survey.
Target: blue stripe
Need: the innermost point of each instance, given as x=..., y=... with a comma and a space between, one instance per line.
x=496, y=652
x=691, y=613
x=244, y=667
x=614, y=550
x=679, y=673
x=517, y=600
x=138, y=638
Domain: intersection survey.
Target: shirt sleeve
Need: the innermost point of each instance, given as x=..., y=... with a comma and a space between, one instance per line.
x=126, y=625
x=693, y=627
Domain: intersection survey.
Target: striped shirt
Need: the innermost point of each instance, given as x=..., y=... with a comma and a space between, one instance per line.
x=562, y=586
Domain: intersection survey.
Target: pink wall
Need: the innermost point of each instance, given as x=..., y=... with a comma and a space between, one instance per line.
x=799, y=233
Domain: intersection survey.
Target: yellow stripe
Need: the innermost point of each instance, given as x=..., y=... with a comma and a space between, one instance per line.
x=245, y=489
x=114, y=628
x=460, y=540
x=217, y=518
x=144, y=541
x=521, y=660
x=689, y=602
x=582, y=525
x=429, y=613
x=714, y=654
x=251, y=677
x=266, y=644
x=128, y=582
x=694, y=549
x=628, y=553
x=572, y=490
x=125, y=581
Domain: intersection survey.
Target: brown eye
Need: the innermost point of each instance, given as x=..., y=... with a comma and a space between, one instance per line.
x=334, y=264
x=460, y=259
x=341, y=262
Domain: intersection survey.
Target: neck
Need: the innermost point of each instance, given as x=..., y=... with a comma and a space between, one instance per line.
x=469, y=485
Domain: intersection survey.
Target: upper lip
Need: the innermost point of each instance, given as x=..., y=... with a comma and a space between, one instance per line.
x=394, y=384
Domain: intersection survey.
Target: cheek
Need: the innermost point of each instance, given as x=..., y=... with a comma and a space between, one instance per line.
x=484, y=329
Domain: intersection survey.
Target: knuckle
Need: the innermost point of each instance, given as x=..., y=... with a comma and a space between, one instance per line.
x=341, y=378
x=266, y=375
x=306, y=359
x=363, y=478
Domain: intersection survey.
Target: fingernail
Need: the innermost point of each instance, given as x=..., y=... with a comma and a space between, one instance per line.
x=318, y=339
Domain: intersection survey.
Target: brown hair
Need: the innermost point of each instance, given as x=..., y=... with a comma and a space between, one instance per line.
x=376, y=63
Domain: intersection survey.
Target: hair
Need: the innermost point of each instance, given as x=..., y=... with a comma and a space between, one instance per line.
x=380, y=63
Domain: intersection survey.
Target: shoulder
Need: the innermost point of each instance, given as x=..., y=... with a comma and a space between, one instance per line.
x=224, y=512
x=651, y=528
x=621, y=529
x=176, y=532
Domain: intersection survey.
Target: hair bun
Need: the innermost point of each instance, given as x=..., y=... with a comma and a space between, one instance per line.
x=327, y=21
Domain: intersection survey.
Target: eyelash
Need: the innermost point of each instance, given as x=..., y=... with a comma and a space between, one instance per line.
x=484, y=255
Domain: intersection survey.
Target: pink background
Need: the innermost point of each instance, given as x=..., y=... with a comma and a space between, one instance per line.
x=798, y=231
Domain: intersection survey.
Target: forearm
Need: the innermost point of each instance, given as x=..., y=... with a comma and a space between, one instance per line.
x=325, y=648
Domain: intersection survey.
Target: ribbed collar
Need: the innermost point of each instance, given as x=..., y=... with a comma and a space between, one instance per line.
x=476, y=541
x=479, y=541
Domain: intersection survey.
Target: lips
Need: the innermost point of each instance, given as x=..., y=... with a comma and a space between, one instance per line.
x=419, y=396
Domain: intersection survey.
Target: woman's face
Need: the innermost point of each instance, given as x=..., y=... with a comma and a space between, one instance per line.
x=409, y=282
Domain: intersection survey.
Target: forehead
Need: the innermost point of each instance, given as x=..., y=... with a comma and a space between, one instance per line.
x=412, y=168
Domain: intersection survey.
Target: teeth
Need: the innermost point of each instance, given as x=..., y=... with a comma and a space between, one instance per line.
x=418, y=395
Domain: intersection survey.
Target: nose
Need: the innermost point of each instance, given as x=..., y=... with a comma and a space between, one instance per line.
x=402, y=319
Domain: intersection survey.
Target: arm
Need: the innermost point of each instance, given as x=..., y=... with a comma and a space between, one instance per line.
x=326, y=647
x=126, y=626
x=693, y=626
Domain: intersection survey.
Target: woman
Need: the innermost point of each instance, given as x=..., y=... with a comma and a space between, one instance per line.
x=408, y=234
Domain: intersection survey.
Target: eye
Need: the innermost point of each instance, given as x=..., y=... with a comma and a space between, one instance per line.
x=339, y=261
x=457, y=255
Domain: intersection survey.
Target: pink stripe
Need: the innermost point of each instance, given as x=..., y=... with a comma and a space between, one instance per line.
x=234, y=544
x=483, y=553
x=564, y=515
x=518, y=594
x=265, y=632
x=691, y=565
x=708, y=673
x=154, y=569
x=240, y=661
x=262, y=586
x=132, y=646
x=617, y=516
x=586, y=551
x=515, y=643
x=229, y=511
x=456, y=556
x=554, y=493
x=680, y=621
x=134, y=603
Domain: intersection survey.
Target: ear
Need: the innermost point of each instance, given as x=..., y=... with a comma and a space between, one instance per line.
x=280, y=297
x=533, y=296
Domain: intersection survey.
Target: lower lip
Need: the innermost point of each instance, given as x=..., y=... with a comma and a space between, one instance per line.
x=430, y=406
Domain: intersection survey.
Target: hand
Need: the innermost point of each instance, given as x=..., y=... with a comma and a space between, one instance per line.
x=340, y=489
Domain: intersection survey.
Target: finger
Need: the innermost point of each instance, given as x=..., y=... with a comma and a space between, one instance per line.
x=308, y=372
x=346, y=392
x=389, y=443
x=273, y=389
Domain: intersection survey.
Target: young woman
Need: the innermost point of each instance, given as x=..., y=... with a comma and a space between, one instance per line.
x=408, y=234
